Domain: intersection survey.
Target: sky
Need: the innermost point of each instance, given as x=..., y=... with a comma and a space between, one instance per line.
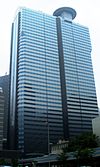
x=88, y=14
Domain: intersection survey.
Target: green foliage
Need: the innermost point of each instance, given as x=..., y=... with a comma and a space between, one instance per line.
x=2, y=161
x=63, y=156
x=82, y=146
x=85, y=153
x=85, y=140
x=14, y=162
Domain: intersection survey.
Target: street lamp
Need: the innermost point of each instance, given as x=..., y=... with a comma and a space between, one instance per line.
x=48, y=139
x=48, y=142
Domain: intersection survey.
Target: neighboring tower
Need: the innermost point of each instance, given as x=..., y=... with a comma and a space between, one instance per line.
x=4, y=83
x=52, y=90
x=75, y=51
x=1, y=117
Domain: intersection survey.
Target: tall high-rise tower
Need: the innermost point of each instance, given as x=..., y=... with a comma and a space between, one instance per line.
x=52, y=90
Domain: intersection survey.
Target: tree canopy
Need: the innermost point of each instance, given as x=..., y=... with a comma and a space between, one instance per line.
x=84, y=140
x=82, y=147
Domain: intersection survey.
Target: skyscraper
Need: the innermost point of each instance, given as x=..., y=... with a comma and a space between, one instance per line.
x=52, y=89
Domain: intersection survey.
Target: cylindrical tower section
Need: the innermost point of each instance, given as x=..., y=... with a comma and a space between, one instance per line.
x=66, y=13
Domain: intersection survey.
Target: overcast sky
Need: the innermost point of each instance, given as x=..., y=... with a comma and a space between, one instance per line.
x=88, y=14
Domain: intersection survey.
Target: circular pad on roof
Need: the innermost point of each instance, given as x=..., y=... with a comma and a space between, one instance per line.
x=59, y=11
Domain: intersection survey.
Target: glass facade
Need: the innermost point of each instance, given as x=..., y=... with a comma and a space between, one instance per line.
x=52, y=85
x=38, y=82
x=80, y=86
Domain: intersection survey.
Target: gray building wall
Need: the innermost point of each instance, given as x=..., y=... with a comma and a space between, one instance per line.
x=96, y=126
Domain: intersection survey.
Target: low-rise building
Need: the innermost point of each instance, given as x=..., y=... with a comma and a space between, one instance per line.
x=57, y=148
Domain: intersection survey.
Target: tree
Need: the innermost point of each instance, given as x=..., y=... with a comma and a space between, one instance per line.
x=62, y=157
x=83, y=147
x=84, y=140
x=14, y=162
x=84, y=156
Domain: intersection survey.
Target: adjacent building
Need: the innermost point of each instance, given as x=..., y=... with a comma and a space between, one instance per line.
x=4, y=84
x=1, y=117
x=52, y=89
x=96, y=126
